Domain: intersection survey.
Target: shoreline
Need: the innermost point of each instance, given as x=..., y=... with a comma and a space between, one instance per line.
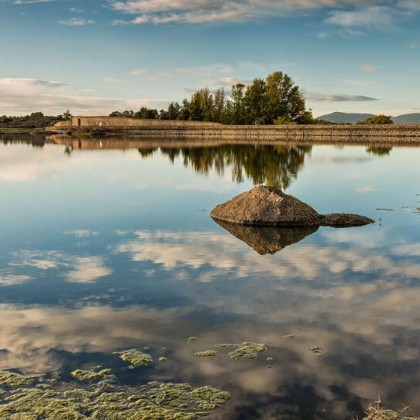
x=268, y=134
x=204, y=134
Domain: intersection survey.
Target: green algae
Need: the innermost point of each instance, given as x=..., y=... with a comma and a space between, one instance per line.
x=135, y=357
x=206, y=353
x=90, y=375
x=15, y=379
x=155, y=400
x=247, y=351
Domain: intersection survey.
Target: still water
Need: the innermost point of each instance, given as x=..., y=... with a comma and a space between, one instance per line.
x=107, y=250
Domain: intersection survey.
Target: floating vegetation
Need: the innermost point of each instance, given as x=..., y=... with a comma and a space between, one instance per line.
x=318, y=351
x=15, y=379
x=135, y=357
x=247, y=351
x=162, y=359
x=154, y=400
x=90, y=375
x=191, y=339
x=104, y=399
x=206, y=353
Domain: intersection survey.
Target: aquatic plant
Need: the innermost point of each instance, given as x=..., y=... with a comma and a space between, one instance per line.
x=91, y=374
x=135, y=357
x=15, y=379
x=247, y=350
x=104, y=400
x=206, y=353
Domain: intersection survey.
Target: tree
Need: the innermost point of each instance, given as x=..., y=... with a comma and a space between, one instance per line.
x=379, y=119
x=284, y=99
x=219, y=105
x=238, y=106
x=67, y=115
x=173, y=110
x=255, y=102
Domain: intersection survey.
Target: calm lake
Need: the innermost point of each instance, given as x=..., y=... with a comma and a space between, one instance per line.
x=105, y=250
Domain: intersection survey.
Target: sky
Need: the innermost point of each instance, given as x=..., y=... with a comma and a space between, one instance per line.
x=93, y=57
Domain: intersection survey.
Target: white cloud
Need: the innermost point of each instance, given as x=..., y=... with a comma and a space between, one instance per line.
x=81, y=233
x=369, y=68
x=78, y=269
x=366, y=189
x=13, y=279
x=411, y=5
x=87, y=270
x=337, y=97
x=208, y=11
x=31, y=1
x=25, y=95
x=138, y=72
x=373, y=16
x=213, y=255
x=76, y=22
x=115, y=80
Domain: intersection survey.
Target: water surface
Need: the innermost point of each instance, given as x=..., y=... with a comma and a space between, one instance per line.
x=107, y=250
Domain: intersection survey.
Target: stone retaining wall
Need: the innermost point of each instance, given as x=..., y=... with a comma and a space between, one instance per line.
x=155, y=129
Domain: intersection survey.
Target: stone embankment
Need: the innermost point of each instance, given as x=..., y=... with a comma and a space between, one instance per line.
x=187, y=130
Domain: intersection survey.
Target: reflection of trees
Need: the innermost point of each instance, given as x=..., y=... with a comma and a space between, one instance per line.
x=379, y=151
x=270, y=165
x=147, y=152
x=19, y=138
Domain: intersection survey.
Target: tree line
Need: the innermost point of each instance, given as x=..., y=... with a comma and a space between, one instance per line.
x=274, y=100
x=34, y=120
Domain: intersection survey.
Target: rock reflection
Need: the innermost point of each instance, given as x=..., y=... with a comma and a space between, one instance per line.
x=267, y=239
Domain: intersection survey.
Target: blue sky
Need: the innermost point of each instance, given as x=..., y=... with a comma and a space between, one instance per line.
x=93, y=57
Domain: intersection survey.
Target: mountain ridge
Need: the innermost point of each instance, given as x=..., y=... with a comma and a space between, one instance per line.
x=354, y=118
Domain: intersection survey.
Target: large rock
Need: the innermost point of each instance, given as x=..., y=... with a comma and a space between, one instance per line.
x=269, y=206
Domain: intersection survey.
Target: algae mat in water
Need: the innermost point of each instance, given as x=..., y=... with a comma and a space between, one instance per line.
x=103, y=400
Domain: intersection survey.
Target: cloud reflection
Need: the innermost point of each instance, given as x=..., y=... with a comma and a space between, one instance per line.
x=76, y=269
x=218, y=254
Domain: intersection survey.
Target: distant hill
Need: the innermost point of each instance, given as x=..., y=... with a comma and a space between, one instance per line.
x=407, y=119
x=344, y=117
x=354, y=118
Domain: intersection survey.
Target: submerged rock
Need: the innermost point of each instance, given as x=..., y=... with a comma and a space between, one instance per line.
x=269, y=206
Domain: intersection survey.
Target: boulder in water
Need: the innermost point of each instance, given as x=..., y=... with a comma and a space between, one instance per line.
x=269, y=206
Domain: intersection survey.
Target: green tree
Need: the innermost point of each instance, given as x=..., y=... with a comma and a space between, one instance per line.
x=66, y=115
x=255, y=100
x=238, y=105
x=379, y=119
x=284, y=99
x=219, y=105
